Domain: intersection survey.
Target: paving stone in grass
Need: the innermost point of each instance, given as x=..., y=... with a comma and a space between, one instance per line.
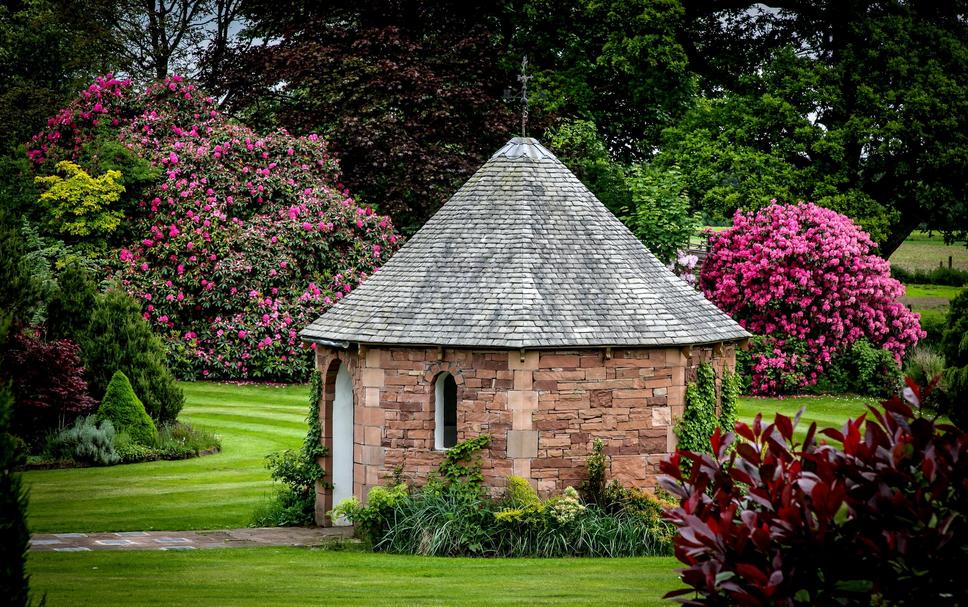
x=114, y=542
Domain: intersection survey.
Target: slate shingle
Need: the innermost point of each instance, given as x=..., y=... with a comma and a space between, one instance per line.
x=524, y=256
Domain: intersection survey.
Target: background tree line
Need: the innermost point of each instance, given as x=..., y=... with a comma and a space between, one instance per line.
x=857, y=105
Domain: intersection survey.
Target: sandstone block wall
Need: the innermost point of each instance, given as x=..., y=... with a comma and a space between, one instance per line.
x=542, y=409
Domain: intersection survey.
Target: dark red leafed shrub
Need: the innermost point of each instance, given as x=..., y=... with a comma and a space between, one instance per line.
x=879, y=520
x=48, y=384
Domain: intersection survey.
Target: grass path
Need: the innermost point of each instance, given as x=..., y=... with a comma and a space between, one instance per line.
x=293, y=576
x=216, y=491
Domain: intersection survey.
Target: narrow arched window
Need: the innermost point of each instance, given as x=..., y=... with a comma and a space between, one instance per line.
x=445, y=411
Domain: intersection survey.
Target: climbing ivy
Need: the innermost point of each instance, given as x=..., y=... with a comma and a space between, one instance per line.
x=699, y=420
x=462, y=462
x=312, y=448
x=729, y=393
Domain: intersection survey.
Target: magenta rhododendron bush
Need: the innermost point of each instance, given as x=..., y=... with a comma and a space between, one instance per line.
x=804, y=278
x=243, y=239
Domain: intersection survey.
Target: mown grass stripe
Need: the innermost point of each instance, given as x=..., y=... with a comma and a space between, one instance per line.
x=215, y=491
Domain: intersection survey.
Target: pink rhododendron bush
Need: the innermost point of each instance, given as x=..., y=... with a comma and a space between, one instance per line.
x=803, y=277
x=243, y=239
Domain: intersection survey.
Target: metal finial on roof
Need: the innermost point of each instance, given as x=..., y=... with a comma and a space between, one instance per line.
x=523, y=78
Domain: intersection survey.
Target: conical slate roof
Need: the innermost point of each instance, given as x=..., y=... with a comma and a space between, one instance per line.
x=524, y=256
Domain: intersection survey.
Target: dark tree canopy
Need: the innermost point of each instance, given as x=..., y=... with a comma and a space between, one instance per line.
x=617, y=63
x=49, y=49
x=409, y=93
x=860, y=106
x=414, y=95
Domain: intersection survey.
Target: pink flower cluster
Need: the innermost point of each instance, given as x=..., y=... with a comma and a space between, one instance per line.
x=245, y=237
x=804, y=278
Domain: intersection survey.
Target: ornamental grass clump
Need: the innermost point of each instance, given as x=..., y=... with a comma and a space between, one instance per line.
x=806, y=279
x=241, y=238
x=453, y=515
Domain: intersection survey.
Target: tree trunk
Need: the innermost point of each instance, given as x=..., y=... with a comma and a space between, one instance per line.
x=899, y=233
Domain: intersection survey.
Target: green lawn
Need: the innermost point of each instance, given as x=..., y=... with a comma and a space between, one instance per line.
x=826, y=410
x=295, y=576
x=932, y=291
x=215, y=491
x=923, y=252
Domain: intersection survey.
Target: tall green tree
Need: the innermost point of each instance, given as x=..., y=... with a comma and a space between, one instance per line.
x=49, y=49
x=17, y=299
x=14, y=534
x=861, y=106
x=616, y=63
x=416, y=94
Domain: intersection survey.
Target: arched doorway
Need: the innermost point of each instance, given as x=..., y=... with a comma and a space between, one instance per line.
x=341, y=457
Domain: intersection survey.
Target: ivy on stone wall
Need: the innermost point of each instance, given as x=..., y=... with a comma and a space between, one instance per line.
x=729, y=394
x=699, y=420
x=313, y=448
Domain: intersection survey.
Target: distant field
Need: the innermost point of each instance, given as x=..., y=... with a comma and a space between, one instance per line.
x=920, y=251
x=923, y=252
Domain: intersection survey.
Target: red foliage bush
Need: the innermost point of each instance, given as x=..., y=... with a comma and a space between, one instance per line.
x=48, y=384
x=879, y=520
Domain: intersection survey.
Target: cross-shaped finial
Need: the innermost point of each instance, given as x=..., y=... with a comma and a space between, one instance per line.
x=523, y=79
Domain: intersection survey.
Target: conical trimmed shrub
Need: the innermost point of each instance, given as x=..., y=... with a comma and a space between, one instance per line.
x=126, y=411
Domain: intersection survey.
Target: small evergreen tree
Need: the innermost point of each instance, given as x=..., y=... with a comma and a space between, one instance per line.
x=119, y=339
x=70, y=306
x=14, y=534
x=955, y=347
x=122, y=407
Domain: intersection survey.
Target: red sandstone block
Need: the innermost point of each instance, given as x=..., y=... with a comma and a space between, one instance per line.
x=398, y=379
x=636, y=394
x=628, y=467
x=595, y=373
x=554, y=361
x=591, y=361
x=554, y=423
x=560, y=376
x=373, y=416
x=547, y=486
x=523, y=379
x=548, y=442
x=554, y=463
x=545, y=386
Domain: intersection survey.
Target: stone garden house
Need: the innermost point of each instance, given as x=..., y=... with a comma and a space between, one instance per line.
x=525, y=310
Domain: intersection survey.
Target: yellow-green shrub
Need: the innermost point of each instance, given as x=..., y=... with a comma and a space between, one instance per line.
x=79, y=204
